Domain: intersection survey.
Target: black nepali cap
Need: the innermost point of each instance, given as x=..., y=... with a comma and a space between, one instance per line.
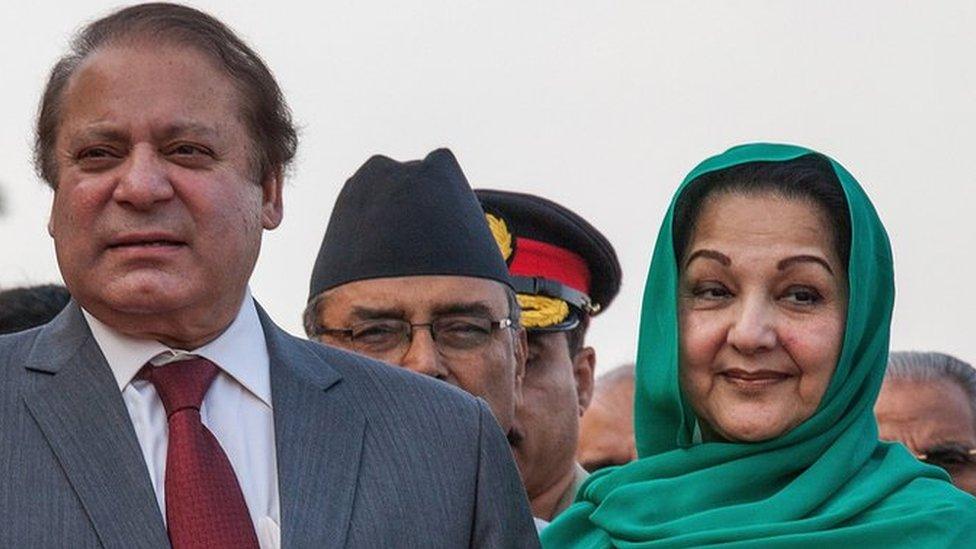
x=561, y=266
x=395, y=219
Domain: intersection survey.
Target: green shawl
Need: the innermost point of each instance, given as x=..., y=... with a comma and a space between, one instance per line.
x=827, y=483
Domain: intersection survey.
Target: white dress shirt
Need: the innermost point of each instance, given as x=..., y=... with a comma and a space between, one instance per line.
x=237, y=408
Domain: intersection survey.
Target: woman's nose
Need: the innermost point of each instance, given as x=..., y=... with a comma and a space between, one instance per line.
x=753, y=329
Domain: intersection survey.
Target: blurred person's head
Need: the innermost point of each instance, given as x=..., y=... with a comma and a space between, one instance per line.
x=409, y=274
x=928, y=403
x=607, y=427
x=564, y=271
x=165, y=139
x=30, y=306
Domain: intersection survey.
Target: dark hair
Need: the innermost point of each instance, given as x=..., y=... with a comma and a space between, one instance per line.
x=25, y=308
x=809, y=177
x=265, y=112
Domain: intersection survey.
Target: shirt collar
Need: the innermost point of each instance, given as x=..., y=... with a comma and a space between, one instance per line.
x=240, y=351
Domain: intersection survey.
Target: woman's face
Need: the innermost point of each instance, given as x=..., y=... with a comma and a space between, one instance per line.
x=762, y=307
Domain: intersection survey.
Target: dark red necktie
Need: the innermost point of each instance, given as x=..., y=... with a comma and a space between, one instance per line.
x=204, y=504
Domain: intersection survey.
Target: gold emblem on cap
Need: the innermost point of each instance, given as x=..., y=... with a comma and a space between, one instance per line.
x=539, y=311
x=503, y=237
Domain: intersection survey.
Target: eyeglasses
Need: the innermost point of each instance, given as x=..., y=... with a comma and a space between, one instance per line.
x=453, y=335
x=951, y=458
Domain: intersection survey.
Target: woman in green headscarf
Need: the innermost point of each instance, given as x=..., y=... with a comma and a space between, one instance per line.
x=763, y=342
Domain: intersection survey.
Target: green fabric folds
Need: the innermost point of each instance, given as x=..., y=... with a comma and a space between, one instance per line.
x=827, y=483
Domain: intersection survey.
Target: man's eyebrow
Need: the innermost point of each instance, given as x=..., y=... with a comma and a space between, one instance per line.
x=709, y=254
x=96, y=133
x=476, y=308
x=186, y=128
x=370, y=313
x=790, y=261
x=103, y=132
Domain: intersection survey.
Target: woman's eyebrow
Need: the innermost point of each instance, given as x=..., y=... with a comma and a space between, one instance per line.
x=709, y=254
x=790, y=261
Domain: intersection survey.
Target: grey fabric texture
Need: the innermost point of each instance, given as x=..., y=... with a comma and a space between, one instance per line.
x=368, y=455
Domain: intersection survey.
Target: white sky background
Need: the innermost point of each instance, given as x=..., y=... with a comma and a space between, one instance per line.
x=601, y=106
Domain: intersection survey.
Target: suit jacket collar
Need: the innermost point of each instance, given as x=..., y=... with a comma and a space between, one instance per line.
x=79, y=409
x=319, y=434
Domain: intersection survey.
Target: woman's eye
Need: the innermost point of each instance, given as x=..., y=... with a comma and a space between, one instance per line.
x=803, y=296
x=712, y=292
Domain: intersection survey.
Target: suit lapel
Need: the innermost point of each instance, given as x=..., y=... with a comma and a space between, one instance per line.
x=80, y=411
x=319, y=433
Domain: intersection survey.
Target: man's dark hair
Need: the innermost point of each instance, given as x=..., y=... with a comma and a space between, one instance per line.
x=264, y=111
x=809, y=177
x=24, y=308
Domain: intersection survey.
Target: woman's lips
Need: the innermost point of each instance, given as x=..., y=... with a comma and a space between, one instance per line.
x=754, y=378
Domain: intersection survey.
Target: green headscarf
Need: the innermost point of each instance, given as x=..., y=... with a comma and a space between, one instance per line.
x=827, y=483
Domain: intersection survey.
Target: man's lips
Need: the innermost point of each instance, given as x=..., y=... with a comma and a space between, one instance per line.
x=145, y=241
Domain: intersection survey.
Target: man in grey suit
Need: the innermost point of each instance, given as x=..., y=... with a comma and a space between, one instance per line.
x=162, y=406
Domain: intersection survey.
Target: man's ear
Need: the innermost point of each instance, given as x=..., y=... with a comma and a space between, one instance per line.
x=50, y=214
x=584, y=368
x=272, y=207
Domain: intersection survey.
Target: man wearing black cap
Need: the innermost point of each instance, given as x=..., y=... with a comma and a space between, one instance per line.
x=564, y=271
x=409, y=273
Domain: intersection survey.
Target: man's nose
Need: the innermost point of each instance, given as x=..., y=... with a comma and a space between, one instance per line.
x=422, y=355
x=753, y=329
x=144, y=181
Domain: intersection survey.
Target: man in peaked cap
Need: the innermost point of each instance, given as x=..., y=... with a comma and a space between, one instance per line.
x=409, y=273
x=564, y=271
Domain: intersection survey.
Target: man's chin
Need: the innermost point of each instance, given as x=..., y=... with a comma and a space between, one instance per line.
x=142, y=297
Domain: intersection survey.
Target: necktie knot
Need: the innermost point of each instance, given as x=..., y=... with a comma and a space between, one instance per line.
x=182, y=384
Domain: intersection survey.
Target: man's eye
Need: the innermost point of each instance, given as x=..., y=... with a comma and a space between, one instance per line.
x=461, y=329
x=948, y=459
x=462, y=334
x=378, y=332
x=187, y=149
x=95, y=153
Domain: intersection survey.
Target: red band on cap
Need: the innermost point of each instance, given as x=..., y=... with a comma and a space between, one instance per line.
x=535, y=258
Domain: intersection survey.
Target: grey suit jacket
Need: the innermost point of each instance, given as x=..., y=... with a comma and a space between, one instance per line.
x=368, y=455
